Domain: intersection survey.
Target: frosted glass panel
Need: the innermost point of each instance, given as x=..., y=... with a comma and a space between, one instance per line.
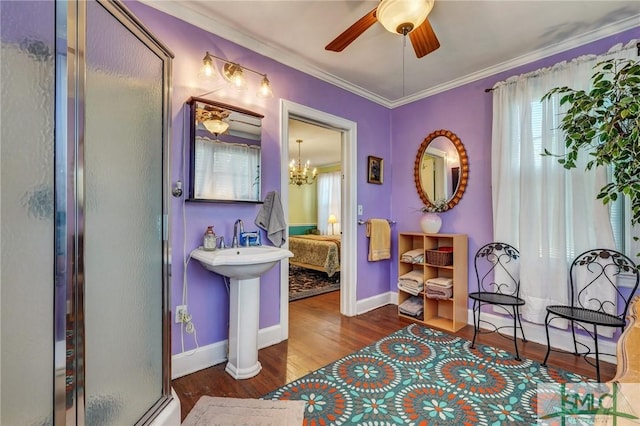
x=26, y=211
x=123, y=217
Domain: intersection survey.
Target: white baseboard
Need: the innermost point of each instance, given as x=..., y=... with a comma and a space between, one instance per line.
x=560, y=339
x=216, y=353
x=375, y=302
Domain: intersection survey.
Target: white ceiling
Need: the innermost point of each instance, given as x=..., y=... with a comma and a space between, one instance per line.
x=321, y=146
x=478, y=38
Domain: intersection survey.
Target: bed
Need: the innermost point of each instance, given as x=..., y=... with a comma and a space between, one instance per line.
x=317, y=252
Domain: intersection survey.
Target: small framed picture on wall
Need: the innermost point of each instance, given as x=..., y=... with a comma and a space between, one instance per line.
x=375, y=168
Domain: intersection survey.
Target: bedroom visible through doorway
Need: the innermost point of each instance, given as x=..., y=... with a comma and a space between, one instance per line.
x=314, y=208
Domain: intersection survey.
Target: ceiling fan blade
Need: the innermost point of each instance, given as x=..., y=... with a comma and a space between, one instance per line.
x=423, y=39
x=353, y=32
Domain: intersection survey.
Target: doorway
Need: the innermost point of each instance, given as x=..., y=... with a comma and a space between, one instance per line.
x=348, y=166
x=314, y=208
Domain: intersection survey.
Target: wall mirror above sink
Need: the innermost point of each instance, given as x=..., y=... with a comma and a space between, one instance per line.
x=225, y=152
x=441, y=169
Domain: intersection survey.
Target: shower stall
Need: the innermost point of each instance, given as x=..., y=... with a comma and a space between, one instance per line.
x=84, y=255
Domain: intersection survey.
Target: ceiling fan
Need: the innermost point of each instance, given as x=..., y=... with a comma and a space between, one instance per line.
x=397, y=16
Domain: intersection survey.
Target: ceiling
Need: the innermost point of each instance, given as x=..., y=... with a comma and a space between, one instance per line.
x=478, y=38
x=321, y=146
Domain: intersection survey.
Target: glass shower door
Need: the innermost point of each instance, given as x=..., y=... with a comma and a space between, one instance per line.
x=123, y=222
x=27, y=82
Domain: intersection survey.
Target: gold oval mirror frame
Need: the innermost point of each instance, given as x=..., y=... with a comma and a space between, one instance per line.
x=443, y=171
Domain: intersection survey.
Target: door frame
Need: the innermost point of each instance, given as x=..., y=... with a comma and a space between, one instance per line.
x=349, y=168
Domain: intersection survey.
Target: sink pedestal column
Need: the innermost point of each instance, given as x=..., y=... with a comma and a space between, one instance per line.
x=244, y=312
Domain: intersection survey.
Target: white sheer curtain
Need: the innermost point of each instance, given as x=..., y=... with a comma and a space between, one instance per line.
x=550, y=214
x=329, y=202
x=226, y=170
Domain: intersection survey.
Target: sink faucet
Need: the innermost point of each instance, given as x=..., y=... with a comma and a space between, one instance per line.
x=234, y=242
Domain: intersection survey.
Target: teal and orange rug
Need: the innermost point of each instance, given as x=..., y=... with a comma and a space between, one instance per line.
x=421, y=376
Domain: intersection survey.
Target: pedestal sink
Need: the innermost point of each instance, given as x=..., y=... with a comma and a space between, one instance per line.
x=243, y=266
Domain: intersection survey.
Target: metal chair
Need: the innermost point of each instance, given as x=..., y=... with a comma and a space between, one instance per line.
x=497, y=267
x=595, y=297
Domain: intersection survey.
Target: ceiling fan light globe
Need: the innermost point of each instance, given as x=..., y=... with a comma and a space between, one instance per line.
x=398, y=15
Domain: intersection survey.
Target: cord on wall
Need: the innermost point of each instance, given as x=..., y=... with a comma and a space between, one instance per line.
x=186, y=321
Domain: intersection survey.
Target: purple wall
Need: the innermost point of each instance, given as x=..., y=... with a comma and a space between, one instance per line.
x=208, y=300
x=465, y=110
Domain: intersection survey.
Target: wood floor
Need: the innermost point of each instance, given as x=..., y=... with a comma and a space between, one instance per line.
x=319, y=335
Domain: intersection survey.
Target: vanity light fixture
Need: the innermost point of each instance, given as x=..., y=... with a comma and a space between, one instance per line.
x=234, y=73
x=298, y=175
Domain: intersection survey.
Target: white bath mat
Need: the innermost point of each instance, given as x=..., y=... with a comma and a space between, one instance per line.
x=215, y=411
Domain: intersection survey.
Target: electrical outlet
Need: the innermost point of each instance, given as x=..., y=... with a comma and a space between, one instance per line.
x=181, y=312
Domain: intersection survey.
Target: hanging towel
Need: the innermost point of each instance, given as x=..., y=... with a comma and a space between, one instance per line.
x=379, y=233
x=271, y=219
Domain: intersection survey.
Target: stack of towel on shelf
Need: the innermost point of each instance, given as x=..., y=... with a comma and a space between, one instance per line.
x=439, y=288
x=413, y=306
x=413, y=256
x=411, y=282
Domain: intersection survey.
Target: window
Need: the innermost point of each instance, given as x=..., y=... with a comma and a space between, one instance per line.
x=623, y=231
x=227, y=170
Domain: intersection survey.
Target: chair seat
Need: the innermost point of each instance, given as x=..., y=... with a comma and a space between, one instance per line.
x=496, y=298
x=586, y=315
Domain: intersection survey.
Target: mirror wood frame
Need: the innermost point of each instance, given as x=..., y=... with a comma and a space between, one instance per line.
x=464, y=167
x=192, y=107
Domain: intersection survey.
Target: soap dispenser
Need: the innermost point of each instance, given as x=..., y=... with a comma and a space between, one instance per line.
x=209, y=240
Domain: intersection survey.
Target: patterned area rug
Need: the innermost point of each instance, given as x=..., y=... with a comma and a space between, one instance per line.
x=305, y=282
x=421, y=376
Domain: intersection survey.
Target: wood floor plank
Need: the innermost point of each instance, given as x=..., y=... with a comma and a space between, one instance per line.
x=319, y=335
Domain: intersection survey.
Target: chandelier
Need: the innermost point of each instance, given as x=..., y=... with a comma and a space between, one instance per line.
x=298, y=175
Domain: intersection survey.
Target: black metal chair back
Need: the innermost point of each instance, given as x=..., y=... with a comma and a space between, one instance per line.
x=497, y=267
x=596, y=298
x=595, y=281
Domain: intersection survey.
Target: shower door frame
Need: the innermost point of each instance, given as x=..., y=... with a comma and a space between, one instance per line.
x=71, y=17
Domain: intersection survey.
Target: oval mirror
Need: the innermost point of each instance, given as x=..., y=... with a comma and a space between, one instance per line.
x=441, y=168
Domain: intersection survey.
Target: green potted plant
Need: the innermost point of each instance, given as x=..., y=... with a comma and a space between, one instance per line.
x=604, y=123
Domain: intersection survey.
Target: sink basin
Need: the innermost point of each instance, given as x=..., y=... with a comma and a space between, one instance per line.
x=241, y=263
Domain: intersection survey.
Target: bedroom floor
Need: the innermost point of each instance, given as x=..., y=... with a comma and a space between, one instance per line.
x=318, y=335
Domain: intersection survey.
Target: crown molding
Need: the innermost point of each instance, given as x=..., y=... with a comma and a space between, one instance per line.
x=202, y=19
x=606, y=31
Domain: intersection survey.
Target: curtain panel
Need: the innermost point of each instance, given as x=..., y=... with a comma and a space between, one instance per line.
x=549, y=213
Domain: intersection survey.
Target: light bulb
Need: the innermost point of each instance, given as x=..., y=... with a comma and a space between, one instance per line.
x=265, y=88
x=208, y=70
x=237, y=79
